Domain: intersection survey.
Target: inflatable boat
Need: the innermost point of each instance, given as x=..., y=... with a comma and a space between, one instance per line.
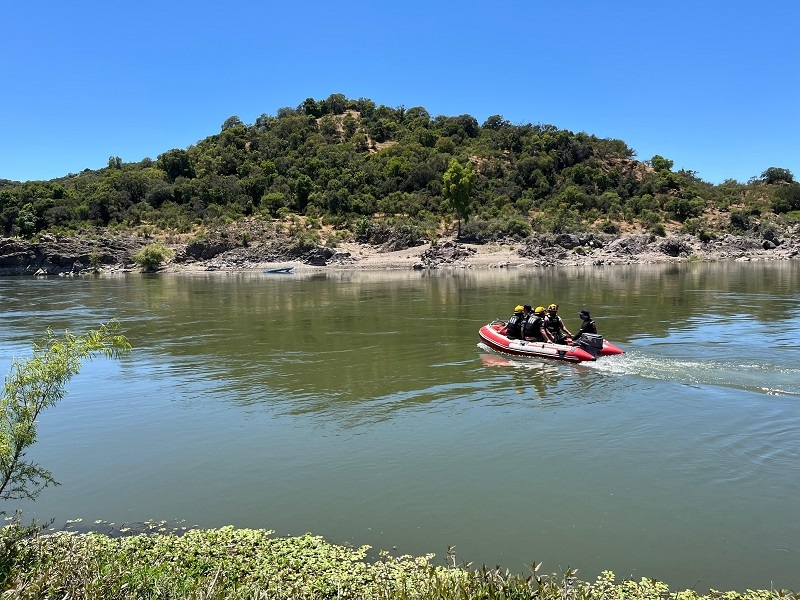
x=585, y=348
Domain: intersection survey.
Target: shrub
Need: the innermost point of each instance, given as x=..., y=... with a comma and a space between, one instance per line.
x=152, y=256
x=705, y=236
x=787, y=199
x=739, y=220
x=650, y=218
x=608, y=226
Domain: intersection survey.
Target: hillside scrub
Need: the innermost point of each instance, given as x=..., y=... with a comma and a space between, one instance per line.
x=357, y=167
x=243, y=563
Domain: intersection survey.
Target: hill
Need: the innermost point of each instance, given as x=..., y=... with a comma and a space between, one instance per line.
x=339, y=170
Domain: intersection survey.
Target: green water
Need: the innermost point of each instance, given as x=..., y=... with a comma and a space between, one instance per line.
x=359, y=406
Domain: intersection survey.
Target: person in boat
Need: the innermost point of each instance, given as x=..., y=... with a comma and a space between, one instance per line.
x=515, y=323
x=587, y=324
x=534, y=326
x=554, y=326
x=527, y=313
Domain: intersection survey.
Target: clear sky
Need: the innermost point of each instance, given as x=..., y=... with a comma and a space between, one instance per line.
x=712, y=85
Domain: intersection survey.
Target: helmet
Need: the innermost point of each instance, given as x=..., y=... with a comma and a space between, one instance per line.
x=553, y=307
x=539, y=310
x=519, y=308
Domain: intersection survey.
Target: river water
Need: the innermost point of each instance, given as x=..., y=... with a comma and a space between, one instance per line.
x=360, y=407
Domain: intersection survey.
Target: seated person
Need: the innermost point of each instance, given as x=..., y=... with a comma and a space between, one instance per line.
x=588, y=325
x=514, y=327
x=534, y=326
x=554, y=326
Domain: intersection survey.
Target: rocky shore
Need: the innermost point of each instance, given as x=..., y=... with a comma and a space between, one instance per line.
x=78, y=255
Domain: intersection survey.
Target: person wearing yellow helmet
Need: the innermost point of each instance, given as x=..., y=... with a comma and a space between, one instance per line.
x=514, y=326
x=534, y=326
x=554, y=326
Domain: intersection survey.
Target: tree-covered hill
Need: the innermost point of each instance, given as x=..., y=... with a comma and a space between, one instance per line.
x=365, y=169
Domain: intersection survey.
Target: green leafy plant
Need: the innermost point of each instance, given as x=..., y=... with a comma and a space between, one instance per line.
x=230, y=563
x=153, y=256
x=94, y=260
x=38, y=383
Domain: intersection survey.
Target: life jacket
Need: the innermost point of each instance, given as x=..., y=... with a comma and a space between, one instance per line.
x=553, y=325
x=514, y=327
x=533, y=327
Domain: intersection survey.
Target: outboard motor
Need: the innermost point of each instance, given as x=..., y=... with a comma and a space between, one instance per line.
x=591, y=342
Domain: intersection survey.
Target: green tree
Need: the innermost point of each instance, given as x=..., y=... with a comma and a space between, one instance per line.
x=659, y=163
x=776, y=175
x=175, y=163
x=231, y=122
x=26, y=221
x=458, y=184
x=35, y=384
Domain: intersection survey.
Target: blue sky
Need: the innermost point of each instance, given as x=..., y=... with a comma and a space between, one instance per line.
x=713, y=86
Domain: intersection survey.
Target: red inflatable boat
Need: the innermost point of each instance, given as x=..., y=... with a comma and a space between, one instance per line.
x=587, y=347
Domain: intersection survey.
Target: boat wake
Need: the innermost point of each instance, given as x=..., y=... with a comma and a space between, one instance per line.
x=746, y=373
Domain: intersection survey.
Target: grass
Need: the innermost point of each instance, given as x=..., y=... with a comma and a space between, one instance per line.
x=245, y=563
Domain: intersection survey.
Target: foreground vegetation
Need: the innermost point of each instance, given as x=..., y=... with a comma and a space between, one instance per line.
x=237, y=563
x=370, y=172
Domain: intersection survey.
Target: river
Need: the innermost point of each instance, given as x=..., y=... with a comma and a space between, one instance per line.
x=359, y=406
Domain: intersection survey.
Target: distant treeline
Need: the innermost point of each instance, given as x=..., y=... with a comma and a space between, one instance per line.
x=353, y=164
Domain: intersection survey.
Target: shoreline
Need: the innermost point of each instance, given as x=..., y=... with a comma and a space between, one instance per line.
x=449, y=254
x=79, y=256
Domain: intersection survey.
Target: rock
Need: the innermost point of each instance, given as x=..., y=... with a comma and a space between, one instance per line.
x=674, y=247
x=628, y=245
x=568, y=240
x=318, y=256
x=448, y=252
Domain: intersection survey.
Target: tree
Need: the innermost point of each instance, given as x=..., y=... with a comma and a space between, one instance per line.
x=777, y=175
x=458, y=183
x=175, y=163
x=659, y=163
x=26, y=221
x=231, y=122
x=35, y=384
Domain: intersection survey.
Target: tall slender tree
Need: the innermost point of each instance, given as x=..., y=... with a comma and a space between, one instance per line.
x=458, y=184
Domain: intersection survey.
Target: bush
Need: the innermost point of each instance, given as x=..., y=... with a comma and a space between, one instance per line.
x=787, y=199
x=608, y=226
x=231, y=564
x=705, y=236
x=151, y=257
x=739, y=220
